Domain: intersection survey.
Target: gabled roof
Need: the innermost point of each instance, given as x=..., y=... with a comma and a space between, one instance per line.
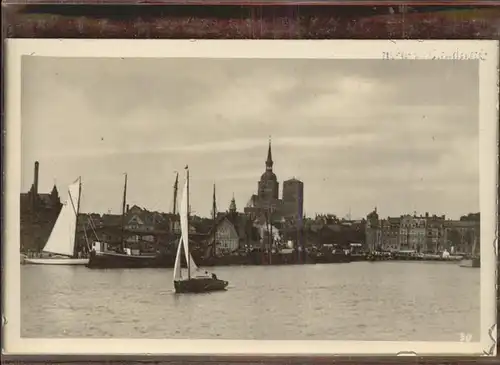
x=241, y=223
x=143, y=216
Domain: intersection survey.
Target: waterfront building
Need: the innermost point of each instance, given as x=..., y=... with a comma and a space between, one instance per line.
x=225, y=231
x=412, y=232
x=424, y=233
x=327, y=229
x=373, y=232
x=38, y=213
x=232, y=231
x=390, y=234
x=462, y=236
x=434, y=233
x=227, y=239
x=142, y=221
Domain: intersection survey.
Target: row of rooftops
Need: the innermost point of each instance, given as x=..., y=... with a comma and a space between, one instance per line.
x=471, y=217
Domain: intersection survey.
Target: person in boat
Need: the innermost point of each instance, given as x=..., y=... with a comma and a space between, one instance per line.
x=214, y=277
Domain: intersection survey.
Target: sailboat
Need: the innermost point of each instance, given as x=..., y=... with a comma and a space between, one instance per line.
x=124, y=258
x=195, y=281
x=475, y=260
x=62, y=239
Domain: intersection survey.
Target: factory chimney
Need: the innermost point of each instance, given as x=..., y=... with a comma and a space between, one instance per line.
x=35, y=181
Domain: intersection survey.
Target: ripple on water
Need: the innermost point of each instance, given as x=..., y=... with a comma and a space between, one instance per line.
x=357, y=301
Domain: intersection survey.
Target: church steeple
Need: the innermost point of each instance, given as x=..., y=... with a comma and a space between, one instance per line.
x=269, y=161
x=232, y=206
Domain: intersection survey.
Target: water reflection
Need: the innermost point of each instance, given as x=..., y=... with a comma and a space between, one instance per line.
x=357, y=301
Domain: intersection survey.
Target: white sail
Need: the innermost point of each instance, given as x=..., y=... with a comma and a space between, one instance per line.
x=62, y=238
x=183, y=212
x=184, y=217
x=192, y=265
x=177, y=265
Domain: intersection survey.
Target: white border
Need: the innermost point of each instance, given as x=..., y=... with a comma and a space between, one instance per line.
x=486, y=51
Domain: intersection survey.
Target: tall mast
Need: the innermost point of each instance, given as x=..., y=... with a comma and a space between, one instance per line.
x=188, y=206
x=269, y=235
x=214, y=217
x=123, y=212
x=295, y=223
x=176, y=186
x=75, y=248
x=381, y=239
x=188, y=210
x=263, y=246
x=408, y=224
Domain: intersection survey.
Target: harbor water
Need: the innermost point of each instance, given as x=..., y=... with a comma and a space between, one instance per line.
x=397, y=301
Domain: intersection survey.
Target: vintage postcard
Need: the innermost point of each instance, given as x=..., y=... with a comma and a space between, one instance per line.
x=250, y=197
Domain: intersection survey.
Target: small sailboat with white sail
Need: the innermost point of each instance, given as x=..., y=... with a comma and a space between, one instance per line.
x=61, y=245
x=196, y=280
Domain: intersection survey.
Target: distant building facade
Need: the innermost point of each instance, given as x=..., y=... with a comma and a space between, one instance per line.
x=423, y=233
x=232, y=231
x=462, y=236
x=373, y=232
x=435, y=238
x=226, y=237
x=412, y=233
x=390, y=233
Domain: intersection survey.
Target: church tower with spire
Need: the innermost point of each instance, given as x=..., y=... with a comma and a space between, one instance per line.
x=268, y=186
x=232, y=206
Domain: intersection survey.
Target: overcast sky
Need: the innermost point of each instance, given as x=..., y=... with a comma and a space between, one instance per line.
x=399, y=135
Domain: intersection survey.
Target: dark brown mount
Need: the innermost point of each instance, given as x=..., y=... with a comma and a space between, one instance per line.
x=380, y=21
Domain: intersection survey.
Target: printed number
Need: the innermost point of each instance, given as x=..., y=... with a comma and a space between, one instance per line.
x=465, y=337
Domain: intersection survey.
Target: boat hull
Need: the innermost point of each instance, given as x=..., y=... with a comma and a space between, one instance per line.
x=113, y=260
x=332, y=259
x=199, y=285
x=472, y=263
x=56, y=261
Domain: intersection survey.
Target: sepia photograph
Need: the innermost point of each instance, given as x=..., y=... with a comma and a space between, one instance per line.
x=263, y=192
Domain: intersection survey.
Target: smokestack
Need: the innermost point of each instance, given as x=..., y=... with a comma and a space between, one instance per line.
x=35, y=182
x=127, y=209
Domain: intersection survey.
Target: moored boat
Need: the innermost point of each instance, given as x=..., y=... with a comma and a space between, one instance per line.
x=116, y=260
x=56, y=261
x=124, y=258
x=61, y=246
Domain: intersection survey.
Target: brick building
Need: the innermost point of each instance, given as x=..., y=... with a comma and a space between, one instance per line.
x=267, y=201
